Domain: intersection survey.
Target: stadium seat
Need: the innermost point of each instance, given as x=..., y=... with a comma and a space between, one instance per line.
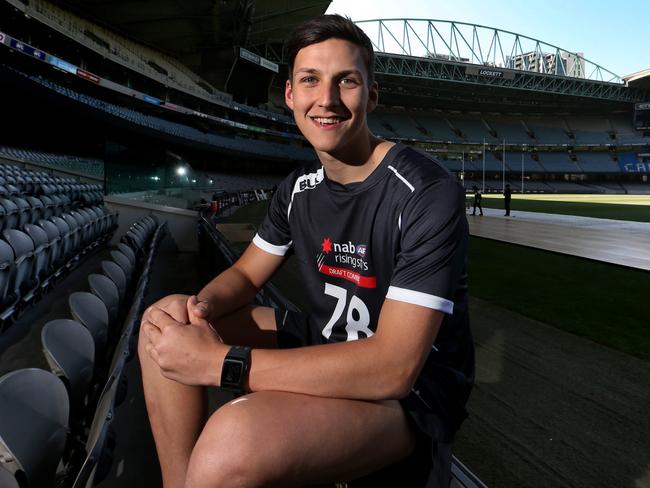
x=7, y=480
x=102, y=286
x=128, y=252
x=37, y=209
x=7, y=259
x=11, y=213
x=24, y=211
x=115, y=273
x=75, y=231
x=124, y=263
x=23, y=248
x=34, y=415
x=41, y=252
x=66, y=237
x=48, y=206
x=89, y=310
x=69, y=349
x=55, y=248
x=97, y=462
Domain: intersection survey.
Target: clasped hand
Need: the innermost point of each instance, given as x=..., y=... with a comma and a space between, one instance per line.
x=182, y=342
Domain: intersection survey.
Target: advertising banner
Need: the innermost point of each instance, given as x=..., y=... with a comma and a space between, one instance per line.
x=64, y=65
x=88, y=76
x=27, y=49
x=150, y=99
x=629, y=163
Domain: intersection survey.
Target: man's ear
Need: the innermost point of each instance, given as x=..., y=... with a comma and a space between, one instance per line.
x=288, y=94
x=373, y=97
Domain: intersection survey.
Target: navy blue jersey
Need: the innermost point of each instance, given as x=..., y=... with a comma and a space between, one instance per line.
x=400, y=234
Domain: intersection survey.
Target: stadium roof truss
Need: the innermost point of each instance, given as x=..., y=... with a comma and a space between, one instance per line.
x=468, y=53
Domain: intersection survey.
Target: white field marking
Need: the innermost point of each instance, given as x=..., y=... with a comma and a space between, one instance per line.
x=611, y=199
x=120, y=468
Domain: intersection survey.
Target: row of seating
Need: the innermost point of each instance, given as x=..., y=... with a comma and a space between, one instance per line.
x=34, y=255
x=55, y=427
x=88, y=166
x=17, y=181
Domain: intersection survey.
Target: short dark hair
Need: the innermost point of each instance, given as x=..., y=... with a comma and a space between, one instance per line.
x=326, y=27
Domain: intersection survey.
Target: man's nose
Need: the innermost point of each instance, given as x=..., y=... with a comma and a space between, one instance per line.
x=329, y=94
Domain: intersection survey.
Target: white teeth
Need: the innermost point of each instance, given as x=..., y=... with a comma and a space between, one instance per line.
x=327, y=120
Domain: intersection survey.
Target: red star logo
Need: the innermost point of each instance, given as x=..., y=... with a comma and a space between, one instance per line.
x=327, y=245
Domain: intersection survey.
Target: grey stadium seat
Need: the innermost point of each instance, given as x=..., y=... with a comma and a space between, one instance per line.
x=54, y=238
x=37, y=209
x=66, y=237
x=70, y=352
x=11, y=213
x=128, y=252
x=7, y=480
x=89, y=310
x=24, y=211
x=23, y=247
x=124, y=263
x=115, y=273
x=96, y=466
x=75, y=231
x=7, y=258
x=41, y=252
x=34, y=415
x=102, y=286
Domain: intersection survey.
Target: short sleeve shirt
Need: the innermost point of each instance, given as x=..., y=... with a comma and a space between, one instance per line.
x=400, y=234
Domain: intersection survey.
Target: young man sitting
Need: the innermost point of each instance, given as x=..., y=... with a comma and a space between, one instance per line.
x=385, y=360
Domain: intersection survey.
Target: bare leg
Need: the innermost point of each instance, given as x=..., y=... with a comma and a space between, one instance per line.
x=177, y=412
x=287, y=439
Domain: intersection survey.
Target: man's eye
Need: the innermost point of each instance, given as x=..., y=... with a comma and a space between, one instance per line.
x=308, y=79
x=348, y=81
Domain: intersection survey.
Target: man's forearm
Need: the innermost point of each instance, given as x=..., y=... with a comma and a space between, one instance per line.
x=228, y=292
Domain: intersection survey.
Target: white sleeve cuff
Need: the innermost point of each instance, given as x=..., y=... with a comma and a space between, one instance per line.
x=419, y=298
x=270, y=248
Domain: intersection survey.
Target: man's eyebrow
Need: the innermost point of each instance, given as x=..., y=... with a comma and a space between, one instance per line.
x=346, y=72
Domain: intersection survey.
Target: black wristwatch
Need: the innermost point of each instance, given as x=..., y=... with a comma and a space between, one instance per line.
x=235, y=368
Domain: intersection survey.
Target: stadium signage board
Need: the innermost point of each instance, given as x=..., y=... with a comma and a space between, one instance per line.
x=26, y=49
x=258, y=60
x=642, y=106
x=2, y=38
x=489, y=72
x=87, y=75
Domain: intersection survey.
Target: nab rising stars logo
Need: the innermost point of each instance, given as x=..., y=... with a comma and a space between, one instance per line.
x=345, y=254
x=361, y=250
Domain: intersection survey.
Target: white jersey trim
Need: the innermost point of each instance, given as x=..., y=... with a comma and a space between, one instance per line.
x=419, y=298
x=270, y=248
x=404, y=180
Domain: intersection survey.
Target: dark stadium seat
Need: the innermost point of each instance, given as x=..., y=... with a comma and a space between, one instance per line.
x=69, y=349
x=8, y=480
x=11, y=213
x=23, y=248
x=55, y=246
x=34, y=416
x=37, y=209
x=128, y=252
x=124, y=263
x=89, y=310
x=75, y=231
x=48, y=206
x=66, y=237
x=97, y=462
x=115, y=273
x=7, y=266
x=24, y=211
x=102, y=286
x=41, y=252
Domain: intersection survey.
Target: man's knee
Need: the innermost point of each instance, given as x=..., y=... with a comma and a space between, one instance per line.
x=231, y=450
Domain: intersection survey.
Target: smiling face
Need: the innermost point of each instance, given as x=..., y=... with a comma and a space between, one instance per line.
x=330, y=97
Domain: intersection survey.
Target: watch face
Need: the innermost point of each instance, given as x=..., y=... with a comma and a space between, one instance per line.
x=232, y=372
